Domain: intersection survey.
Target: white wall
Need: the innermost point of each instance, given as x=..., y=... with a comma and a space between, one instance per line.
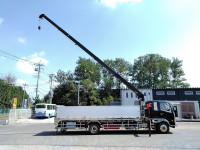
x=128, y=97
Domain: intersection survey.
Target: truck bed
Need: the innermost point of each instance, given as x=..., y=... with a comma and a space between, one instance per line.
x=96, y=112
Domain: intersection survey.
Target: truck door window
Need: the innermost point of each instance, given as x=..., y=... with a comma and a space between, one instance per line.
x=165, y=107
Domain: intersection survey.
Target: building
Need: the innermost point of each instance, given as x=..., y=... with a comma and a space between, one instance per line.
x=128, y=97
x=185, y=100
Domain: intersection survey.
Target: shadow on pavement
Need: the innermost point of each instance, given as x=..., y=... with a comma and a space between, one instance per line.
x=135, y=133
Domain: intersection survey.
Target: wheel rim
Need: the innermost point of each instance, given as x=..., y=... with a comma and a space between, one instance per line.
x=94, y=129
x=163, y=128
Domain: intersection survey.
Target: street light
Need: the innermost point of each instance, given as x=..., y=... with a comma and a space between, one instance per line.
x=78, y=82
x=79, y=86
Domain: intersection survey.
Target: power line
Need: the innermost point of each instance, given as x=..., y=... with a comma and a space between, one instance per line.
x=47, y=70
x=45, y=73
x=12, y=58
x=40, y=89
x=16, y=58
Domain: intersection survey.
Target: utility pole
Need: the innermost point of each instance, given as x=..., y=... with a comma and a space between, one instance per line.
x=23, y=94
x=51, y=92
x=38, y=76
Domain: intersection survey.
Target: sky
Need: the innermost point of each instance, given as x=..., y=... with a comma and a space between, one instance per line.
x=109, y=28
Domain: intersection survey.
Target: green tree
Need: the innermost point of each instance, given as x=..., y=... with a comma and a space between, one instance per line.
x=62, y=77
x=153, y=71
x=47, y=98
x=87, y=69
x=89, y=94
x=65, y=94
x=176, y=74
x=8, y=92
x=120, y=66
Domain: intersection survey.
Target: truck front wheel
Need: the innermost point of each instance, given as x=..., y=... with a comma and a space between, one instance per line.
x=94, y=129
x=163, y=128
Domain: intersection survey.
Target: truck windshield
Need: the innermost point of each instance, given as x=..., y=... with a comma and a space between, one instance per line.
x=165, y=106
x=40, y=106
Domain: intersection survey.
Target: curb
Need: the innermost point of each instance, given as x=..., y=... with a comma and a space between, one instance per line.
x=188, y=120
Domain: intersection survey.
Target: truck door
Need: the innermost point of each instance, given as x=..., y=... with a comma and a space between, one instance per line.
x=166, y=112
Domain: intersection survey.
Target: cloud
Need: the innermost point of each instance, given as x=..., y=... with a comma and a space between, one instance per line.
x=3, y=58
x=25, y=67
x=113, y=3
x=28, y=67
x=20, y=82
x=22, y=40
x=1, y=20
x=42, y=53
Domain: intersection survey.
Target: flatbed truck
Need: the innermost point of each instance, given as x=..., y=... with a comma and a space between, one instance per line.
x=157, y=115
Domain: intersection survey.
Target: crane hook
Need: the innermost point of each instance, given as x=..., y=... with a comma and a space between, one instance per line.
x=39, y=22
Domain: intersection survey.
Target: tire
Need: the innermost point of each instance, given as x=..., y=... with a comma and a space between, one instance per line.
x=162, y=128
x=94, y=129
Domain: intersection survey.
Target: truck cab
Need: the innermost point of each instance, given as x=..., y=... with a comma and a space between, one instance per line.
x=162, y=115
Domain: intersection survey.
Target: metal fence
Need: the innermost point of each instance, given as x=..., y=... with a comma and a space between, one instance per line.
x=11, y=115
x=4, y=113
x=19, y=114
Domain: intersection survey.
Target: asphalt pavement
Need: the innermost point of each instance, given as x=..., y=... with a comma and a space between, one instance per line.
x=42, y=135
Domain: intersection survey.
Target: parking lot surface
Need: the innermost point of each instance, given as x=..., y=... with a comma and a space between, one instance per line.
x=42, y=135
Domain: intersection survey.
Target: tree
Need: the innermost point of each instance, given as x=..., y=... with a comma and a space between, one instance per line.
x=10, y=79
x=120, y=66
x=176, y=74
x=87, y=69
x=8, y=92
x=153, y=71
x=47, y=98
x=65, y=94
x=62, y=77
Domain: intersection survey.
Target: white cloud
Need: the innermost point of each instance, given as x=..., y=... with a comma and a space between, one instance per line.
x=36, y=54
x=1, y=20
x=113, y=3
x=25, y=67
x=39, y=60
x=20, y=82
x=30, y=68
x=22, y=40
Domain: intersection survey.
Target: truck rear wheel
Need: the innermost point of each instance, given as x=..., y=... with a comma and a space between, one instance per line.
x=94, y=129
x=163, y=128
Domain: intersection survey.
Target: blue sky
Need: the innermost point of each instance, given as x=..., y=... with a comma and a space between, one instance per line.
x=109, y=28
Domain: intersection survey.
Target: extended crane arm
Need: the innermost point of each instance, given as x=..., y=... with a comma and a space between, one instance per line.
x=139, y=94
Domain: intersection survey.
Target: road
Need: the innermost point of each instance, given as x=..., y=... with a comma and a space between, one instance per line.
x=43, y=136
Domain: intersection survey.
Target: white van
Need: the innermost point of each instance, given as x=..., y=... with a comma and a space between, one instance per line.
x=45, y=110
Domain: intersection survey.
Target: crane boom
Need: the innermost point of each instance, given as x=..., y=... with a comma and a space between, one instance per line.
x=130, y=86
